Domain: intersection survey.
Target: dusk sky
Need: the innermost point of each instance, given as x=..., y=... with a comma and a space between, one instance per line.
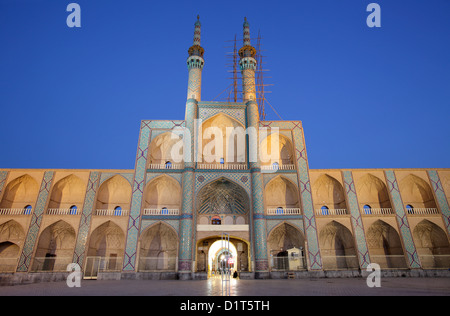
x=73, y=98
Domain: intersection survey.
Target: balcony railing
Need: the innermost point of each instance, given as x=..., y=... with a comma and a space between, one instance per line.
x=165, y=166
x=224, y=166
x=15, y=211
x=331, y=212
x=164, y=211
x=111, y=212
x=422, y=211
x=377, y=211
x=283, y=211
x=277, y=167
x=63, y=211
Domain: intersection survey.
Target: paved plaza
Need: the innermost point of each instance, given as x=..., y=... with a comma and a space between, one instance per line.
x=213, y=287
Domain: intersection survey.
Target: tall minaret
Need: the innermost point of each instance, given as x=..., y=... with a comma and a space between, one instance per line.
x=248, y=66
x=195, y=64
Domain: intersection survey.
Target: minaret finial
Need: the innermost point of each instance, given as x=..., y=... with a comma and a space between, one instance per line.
x=196, y=49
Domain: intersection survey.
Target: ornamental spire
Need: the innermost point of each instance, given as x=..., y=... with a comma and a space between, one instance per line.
x=196, y=49
x=247, y=50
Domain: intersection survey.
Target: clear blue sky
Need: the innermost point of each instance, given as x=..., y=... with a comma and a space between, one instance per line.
x=367, y=97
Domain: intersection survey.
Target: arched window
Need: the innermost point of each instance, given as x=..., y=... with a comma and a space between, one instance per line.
x=27, y=210
x=275, y=166
x=216, y=221
x=164, y=211
x=117, y=211
x=325, y=210
x=367, y=209
x=410, y=209
x=222, y=161
x=73, y=210
x=280, y=210
x=168, y=165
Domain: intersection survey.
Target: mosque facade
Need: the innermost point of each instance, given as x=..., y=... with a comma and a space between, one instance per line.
x=198, y=181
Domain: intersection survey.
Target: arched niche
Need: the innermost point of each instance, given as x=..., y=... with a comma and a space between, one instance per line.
x=55, y=247
x=385, y=247
x=12, y=237
x=416, y=192
x=20, y=192
x=160, y=149
x=280, y=192
x=158, y=248
x=116, y=191
x=327, y=191
x=224, y=199
x=161, y=192
x=219, y=145
x=107, y=241
x=432, y=245
x=67, y=192
x=372, y=191
x=337, y=247
x=276, y=148
x=281, y=241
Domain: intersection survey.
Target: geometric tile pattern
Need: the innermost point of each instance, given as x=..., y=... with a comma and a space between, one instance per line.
x=85, y=220
x=440, y=197
x=360, y=237
x=239, y=178
x=194, y=83
x=35, y=224
x=186, y=223
x=304, y=184
x=259, y=223
x=129, y=260
x=3, y=176
x=402, y=220
x=186, y=231
x=236, y=113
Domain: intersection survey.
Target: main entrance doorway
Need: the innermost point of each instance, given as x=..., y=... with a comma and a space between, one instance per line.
x=213, y=254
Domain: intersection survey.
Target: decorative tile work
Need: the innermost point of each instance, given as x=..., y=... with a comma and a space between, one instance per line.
x=315, y=259
x=129, y=261
x=35, y=223
x=240, y=178
x=358, y=228
x=162, y=124
x=259, y=223
x=440, y=197
x=3, y=176
x=86, y=215
x=402, y=220
x=186, y=223
x=194, y=83
x=236, y=113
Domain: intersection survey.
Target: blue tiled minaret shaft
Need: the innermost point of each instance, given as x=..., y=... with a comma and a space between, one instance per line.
x=195, y=64
x=247, y=65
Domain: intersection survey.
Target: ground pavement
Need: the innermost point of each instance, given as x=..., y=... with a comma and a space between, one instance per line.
x=213, y=287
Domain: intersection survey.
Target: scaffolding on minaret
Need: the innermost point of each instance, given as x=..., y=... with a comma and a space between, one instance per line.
x=233, y=92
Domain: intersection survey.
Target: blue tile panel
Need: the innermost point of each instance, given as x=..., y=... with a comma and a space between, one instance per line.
x=129, y=262
x=402, y=220
x=35, y=223
x=358, y=228
x=85, y=220
x=440, y=197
